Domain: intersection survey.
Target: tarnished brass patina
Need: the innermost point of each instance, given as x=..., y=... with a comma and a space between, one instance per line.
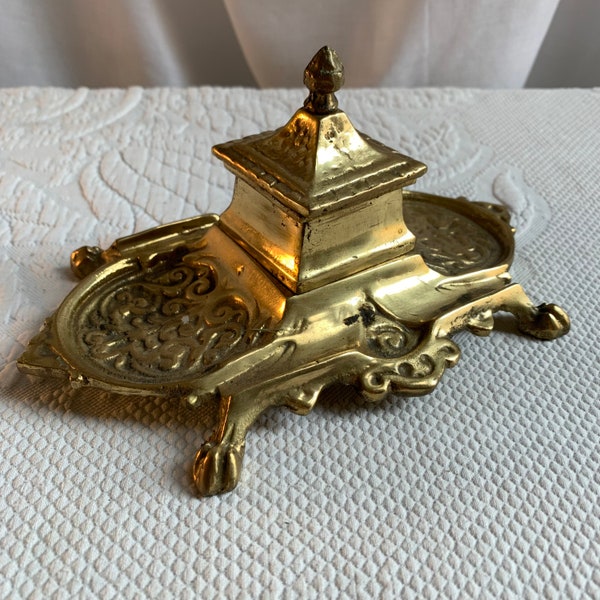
x=323, y=269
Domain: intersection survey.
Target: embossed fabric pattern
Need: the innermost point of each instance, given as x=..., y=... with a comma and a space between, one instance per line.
x=488, y=487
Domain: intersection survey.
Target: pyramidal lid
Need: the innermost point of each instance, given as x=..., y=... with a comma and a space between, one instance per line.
x=318, y=160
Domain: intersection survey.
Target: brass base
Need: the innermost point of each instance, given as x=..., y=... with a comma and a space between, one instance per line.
x=183, y=311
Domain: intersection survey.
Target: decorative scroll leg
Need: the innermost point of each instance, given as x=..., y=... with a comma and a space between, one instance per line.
x=218, y=464
x=545, y=322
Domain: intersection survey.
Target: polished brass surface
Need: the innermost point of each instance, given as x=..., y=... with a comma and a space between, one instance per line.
x=316, y=200
x=323, y=269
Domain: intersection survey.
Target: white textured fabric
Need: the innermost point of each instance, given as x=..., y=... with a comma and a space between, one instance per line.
x=487, y=487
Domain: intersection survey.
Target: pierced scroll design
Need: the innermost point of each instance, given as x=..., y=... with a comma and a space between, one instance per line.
x=417, y=372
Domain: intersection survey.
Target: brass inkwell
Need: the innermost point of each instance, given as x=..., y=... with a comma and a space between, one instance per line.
x=323, y=269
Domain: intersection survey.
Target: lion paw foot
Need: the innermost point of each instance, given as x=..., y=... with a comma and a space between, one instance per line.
x=217, y=467
x=548, y=322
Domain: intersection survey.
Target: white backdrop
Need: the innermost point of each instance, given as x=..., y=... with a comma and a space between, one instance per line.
x=117, y=43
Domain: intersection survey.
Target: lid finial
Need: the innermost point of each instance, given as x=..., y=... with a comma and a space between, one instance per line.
x=323, y=76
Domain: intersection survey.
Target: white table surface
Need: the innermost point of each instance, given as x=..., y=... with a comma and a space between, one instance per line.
x=488, y=487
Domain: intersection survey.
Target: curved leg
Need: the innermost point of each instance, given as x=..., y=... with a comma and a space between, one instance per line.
x=545, y=322
x=218, y=463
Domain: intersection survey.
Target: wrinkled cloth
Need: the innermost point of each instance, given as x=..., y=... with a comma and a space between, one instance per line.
x=395, y=42
x=269, y=42
x=487, y=487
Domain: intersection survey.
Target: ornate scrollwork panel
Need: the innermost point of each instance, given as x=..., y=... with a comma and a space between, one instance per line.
x=450, y=243
x=175, y=320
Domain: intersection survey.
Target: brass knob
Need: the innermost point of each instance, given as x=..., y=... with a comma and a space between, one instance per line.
x=323, y=76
